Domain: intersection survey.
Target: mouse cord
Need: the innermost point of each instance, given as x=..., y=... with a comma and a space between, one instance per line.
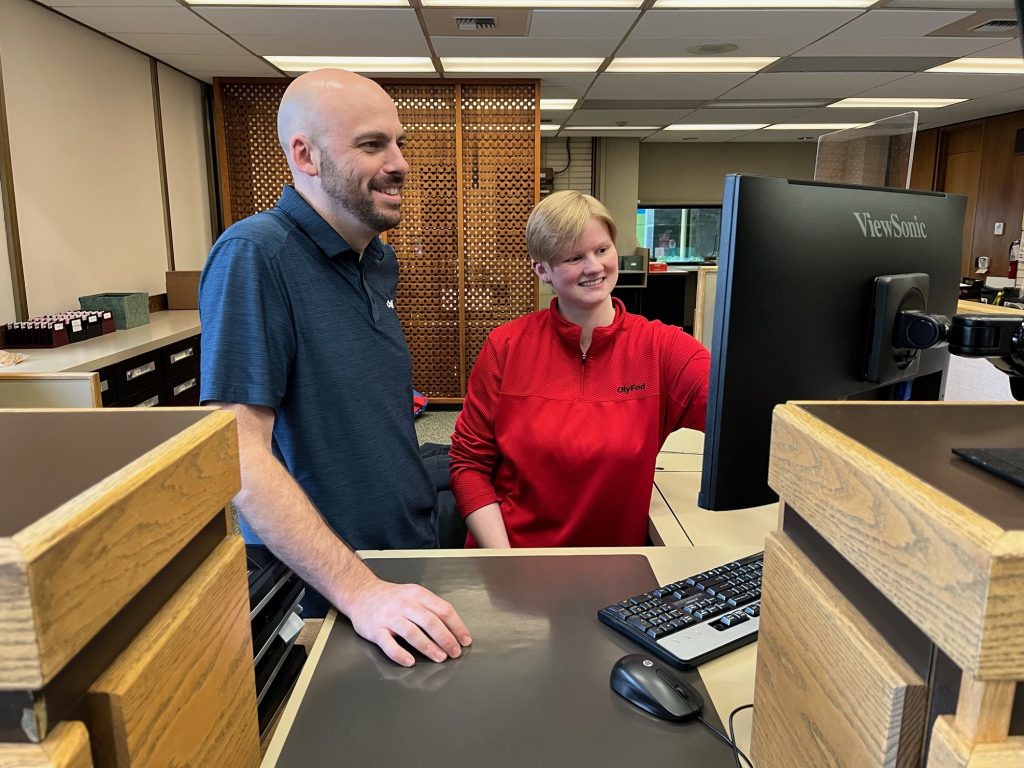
x=730, y=740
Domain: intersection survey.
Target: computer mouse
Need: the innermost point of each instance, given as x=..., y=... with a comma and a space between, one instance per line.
x=656, y=688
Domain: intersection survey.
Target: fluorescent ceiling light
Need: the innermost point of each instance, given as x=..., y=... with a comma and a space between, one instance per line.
x=764, y=3
x=557, y=103
x=692, y=64
x=518, y=65
x=900, y=103
x=353, y=63
x=981, y=66
x=811, y=126
x=610, y=128
x=591, y=4
x=716, y=127
x=549, y=127
x=301, y=3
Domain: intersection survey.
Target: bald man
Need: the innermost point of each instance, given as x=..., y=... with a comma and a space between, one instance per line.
x=301, y=341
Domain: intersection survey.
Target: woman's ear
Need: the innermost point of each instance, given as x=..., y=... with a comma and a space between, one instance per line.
x=542, y=271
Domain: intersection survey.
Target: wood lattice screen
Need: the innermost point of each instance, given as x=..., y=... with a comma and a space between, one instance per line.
x=473, y=149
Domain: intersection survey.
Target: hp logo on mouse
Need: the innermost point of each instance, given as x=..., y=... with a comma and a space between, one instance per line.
x=648, y=663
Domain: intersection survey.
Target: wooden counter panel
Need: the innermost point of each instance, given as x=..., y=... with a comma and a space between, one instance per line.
x=957, y=575
x=183, y=693
x=828, y=686
x=949, y=750
x=80, y=564
x=67, y=746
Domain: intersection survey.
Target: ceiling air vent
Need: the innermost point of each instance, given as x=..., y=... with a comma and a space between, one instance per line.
x=472, y=23
x=996, y=25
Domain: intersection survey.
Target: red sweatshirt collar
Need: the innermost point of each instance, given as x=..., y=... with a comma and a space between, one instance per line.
x=570, y=333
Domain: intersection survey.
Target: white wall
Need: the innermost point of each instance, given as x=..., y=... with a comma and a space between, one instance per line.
x=85, y=167
x=6, y=288
x=181, y=108
x=972, y=380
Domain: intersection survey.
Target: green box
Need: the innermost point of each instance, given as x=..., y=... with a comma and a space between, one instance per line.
x=129, y=309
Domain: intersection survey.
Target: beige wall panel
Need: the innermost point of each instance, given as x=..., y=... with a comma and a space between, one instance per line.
x=693, y=173
x=181, y=106
x=83, y=146
x=6, y=286
x=617, y=163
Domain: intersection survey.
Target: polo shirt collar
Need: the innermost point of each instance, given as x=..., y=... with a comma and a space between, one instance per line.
x=316, y=228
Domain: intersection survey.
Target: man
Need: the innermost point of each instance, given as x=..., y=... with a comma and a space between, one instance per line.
x=302, y=343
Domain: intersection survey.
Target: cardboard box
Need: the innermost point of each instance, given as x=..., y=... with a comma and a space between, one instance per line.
x=183, y=289
x=129, y=309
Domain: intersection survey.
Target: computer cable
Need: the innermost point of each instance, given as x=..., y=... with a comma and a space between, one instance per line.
x=730, y=740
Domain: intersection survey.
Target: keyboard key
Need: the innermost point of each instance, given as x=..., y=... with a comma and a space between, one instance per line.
x=639, y=623
x=753, y=610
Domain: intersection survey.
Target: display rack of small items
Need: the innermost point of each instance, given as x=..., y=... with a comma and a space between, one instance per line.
x=58, y=329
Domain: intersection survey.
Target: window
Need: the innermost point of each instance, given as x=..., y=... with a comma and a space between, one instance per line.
x=680, y=235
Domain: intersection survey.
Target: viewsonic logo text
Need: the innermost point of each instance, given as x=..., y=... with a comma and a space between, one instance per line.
x=893, y=227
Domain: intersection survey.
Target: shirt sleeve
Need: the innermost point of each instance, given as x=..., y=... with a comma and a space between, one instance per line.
x=248, y=339
x=474, y=450
x=686, y=370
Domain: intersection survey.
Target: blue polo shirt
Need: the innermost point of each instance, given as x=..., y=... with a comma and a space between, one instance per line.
x=294, y=320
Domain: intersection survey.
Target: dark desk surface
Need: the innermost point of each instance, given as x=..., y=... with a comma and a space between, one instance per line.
x=532, y=690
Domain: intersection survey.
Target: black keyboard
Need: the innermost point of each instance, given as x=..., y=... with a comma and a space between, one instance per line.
x=695, y=619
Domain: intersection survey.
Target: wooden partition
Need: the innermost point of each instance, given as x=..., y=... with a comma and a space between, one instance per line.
x=891, y=626
x=474, y=149
x=50, y=390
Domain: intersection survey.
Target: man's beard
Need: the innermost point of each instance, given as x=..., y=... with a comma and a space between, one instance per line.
x=345, y=189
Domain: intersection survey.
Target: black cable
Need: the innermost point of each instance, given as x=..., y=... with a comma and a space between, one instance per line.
x=731, y=742
x=568, y=156
x=732, y=731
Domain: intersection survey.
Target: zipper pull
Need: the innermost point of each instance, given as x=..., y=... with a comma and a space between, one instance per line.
x=583, y=357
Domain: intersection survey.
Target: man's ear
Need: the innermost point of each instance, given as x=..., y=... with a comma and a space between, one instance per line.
x=301, y=151
x=542, y=270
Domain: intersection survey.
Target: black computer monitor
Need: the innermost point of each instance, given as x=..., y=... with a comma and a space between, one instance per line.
x=795, y=304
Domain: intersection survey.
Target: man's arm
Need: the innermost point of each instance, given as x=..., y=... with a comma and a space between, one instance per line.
x=276, y=508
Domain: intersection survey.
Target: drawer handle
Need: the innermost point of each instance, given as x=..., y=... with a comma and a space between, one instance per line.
x=153, y=401
x=142, y=370
x=181, y=355
x=183, y=387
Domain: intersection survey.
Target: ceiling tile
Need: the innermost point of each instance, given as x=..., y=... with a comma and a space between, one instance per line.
x=156, y=44
x=678, y=46
x=334, y=45
x=997, y=104
x=887, y=23
x=657, y=117
x=347, y=23
x=810, y=85
x=727, y=25
x=663, y=86
x=1010, y=49
x=945, y=85
x=226, y=66
x=715, y=116
x=521, y=46
x=857, y=63
x=625, y=134
x=896, y=46
x=107, y=3
x=559, y=25
x=125, y=20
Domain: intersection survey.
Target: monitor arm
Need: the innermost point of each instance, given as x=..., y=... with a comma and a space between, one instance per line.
x=998, y=339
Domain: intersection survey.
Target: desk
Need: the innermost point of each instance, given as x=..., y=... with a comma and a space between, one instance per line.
x=729, y=679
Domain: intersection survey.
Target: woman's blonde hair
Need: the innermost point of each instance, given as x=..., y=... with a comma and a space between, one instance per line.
x=559, y=220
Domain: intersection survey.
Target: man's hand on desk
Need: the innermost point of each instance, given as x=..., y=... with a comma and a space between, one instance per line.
x=380, y=611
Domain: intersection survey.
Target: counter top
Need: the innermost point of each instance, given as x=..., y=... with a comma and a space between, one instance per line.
x=163, y=328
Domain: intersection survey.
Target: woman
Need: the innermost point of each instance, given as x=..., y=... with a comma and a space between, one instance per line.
x=568, y=407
